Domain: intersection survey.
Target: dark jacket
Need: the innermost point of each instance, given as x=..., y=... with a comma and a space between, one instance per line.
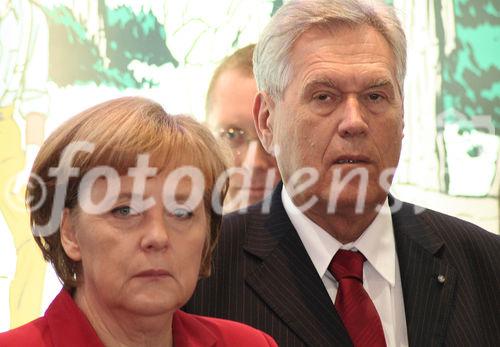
x=264, y=277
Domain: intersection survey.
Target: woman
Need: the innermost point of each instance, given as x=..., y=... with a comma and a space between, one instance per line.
x=121, y=203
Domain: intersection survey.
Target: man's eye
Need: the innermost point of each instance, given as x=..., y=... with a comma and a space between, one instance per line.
x=233, y=133
x=322, y=97
x=124, y=211
x=375, y=97
x=234, y=136
x=182, y=213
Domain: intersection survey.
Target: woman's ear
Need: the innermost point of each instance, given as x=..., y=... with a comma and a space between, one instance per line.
x=69, y=240
x=263, y=108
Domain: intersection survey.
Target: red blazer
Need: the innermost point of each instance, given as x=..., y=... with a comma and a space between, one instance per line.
x=65, y=325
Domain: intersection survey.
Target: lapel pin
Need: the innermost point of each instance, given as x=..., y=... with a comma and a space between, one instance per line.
x=441, y=279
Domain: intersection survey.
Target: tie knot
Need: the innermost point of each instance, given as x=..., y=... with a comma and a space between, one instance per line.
x=347, y=264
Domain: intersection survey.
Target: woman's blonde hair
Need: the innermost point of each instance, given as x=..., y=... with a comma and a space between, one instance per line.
x=121, y=129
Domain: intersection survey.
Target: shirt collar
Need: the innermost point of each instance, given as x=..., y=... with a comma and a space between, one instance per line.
x=376, y=243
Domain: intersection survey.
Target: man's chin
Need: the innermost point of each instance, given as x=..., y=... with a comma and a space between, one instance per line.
x=352, y=202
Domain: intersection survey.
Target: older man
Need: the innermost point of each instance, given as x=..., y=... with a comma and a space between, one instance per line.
x=229, y=105
x=338, y=261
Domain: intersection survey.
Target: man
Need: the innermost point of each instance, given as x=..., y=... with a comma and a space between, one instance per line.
x=337, y=261
x=229, y=105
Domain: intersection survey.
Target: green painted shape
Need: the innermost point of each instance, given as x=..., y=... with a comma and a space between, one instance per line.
x=471, y=73
x=492, y=93
x=135, y=36
x=74, y=59
x=119, y=17
x=276, y=5
x=71, y=54
x=490, y=9
x=482, y=40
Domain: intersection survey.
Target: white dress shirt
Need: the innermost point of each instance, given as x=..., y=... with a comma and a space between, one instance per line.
x=381, y=278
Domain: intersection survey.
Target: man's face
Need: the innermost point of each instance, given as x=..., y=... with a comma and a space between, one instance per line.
x=231, y=116
x=341, y=111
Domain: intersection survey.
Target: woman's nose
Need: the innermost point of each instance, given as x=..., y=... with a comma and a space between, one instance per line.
x=155, y=236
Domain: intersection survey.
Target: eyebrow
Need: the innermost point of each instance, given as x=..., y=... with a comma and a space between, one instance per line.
x=319, y=82
x=128, y=196
x=237, y=126
x=380, y=82
x=384, y=83
x=229, y=126
x=179, y=197
x=329, y=83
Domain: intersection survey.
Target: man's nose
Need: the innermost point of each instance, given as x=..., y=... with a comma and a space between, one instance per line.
x=352, y=122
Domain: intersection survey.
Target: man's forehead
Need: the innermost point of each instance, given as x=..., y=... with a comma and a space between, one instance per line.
x=360, y=41
x=328, y=54
x=232, y=101
x=330, y=79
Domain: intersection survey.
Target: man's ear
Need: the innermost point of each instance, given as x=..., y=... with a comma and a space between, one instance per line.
x=402, y=124
x=69, y=240
x=263, y=108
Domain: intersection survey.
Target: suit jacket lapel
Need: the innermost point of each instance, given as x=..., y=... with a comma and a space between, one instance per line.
x=428, y=299
x=287, y=280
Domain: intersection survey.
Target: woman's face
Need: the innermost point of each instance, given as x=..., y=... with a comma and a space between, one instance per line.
x=141, y=254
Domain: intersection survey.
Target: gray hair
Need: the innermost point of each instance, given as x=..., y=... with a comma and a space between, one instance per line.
x=272, y=68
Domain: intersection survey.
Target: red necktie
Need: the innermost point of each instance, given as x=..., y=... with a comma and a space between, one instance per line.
x=352, y=303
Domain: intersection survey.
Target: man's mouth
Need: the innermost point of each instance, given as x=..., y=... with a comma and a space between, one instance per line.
x=355, y=159
x=348, y=161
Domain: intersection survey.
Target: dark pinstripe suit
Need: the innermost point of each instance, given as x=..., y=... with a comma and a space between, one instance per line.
x=263, y=277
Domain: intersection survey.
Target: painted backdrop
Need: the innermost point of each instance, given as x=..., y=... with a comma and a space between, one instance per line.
x=60, y=56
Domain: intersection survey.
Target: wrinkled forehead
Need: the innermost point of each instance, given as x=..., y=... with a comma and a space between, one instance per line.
x=329, y=52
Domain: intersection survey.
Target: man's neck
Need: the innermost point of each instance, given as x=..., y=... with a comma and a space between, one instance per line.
x=345, y=225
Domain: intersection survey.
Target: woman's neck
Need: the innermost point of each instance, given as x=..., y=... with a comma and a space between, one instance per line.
x=118, y=327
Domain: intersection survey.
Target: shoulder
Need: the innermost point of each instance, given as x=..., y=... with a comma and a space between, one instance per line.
x=35, y=333
x=226, y=332
x=459, y=232
x=462, y=240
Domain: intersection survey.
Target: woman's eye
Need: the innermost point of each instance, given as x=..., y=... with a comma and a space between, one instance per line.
x=124, y=211
x=182, y=213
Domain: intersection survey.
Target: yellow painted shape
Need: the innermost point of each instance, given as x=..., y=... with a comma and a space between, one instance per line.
x=26, y=289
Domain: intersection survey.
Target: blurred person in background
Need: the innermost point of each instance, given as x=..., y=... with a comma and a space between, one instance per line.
x=229, y=106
